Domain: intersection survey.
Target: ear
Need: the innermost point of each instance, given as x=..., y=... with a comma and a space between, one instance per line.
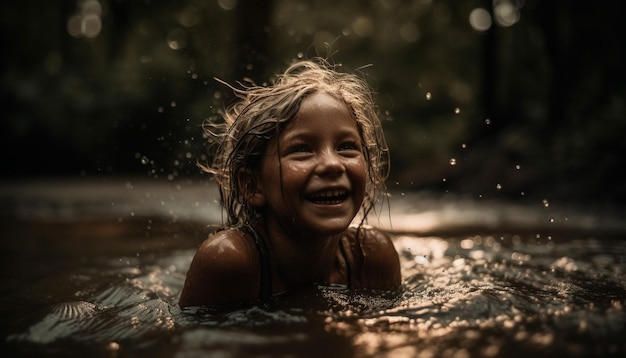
x=250, y=188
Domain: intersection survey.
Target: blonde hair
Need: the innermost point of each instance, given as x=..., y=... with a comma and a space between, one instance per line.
x=261, y=112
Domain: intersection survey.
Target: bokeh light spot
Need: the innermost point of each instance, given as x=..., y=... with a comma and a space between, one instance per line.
x=480, y=19
x=506, y=14
x=227, y=4
x=363, y=26
x=177, y=39
x=87, y=21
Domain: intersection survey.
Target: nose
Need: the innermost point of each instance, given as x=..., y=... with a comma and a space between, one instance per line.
x=330, y=164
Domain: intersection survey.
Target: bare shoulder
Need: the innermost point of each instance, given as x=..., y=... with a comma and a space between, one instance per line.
x=374, y=234
x=381, y=264
x=223, y=270
x=372, y=239
x=231, y=246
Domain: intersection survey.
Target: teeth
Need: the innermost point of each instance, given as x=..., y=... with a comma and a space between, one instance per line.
x=328, y=194
x=329, y=197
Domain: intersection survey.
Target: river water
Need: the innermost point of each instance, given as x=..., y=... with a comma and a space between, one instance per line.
x=95, y=269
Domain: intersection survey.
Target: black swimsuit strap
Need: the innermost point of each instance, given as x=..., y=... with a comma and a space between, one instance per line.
x=264, y=263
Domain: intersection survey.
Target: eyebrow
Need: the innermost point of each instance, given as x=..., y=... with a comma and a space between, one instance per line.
x=298, y=134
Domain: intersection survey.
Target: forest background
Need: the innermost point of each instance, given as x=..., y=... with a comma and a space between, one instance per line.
x=504, y=99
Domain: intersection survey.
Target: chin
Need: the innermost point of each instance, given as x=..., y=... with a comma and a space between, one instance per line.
x=334, y=229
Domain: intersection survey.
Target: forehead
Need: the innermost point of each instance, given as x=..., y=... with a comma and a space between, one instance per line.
x=323, y=113
x=320, y=115
x=323, y=101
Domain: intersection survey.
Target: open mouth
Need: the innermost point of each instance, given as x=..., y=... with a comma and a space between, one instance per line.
x=329, y=197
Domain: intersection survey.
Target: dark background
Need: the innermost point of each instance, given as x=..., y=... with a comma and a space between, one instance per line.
x=531, y=108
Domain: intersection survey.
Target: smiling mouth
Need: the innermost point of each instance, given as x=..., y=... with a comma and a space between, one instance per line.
x=330, y=197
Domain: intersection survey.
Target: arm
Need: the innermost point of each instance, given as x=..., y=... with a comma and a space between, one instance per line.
x=223, y=271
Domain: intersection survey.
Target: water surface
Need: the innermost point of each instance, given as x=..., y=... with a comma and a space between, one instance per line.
x=95, y=269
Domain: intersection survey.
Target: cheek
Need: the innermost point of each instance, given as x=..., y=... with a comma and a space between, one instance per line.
x=293, y=176
x=358, y=172
x=285, y=175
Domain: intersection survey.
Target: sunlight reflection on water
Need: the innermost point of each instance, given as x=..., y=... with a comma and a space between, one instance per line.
x=490, y=298
x=473, y=292
x=186, y=201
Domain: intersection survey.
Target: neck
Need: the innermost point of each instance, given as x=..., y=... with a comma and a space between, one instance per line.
x=301, y=258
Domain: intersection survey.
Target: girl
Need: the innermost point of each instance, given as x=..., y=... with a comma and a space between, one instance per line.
x=296, y=162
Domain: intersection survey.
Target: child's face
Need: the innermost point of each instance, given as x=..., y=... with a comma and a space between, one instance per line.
x=313, y=175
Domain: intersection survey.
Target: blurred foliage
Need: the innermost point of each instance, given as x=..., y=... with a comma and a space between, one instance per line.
x=533, y=107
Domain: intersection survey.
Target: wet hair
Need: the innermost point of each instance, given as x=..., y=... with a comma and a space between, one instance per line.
x=261, y=112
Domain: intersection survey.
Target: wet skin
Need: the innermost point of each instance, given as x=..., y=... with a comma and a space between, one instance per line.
x=313, y=175
x=311, y=186
x=309, y=189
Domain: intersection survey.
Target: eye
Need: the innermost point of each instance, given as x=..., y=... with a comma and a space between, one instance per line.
x=299, y=148
x=349, y=146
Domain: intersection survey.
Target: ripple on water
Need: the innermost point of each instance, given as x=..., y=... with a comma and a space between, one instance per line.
x=489, y=297
x=475, y=296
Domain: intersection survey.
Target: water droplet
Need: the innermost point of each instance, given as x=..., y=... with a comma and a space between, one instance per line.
x=463, y=145
x=429, y=96
x=145, y=160
x=457, y=110
x=113, y=346
x=498, y=186
x=487, y=121
x=177, y=39
x=545, y=203
x=517, y=166
x=551, y=220
x=452, y=161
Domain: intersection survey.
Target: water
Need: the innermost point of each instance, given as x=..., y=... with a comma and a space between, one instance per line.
x=95, y=269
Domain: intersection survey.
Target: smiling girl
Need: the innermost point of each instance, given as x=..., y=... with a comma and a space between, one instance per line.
x=296, y=162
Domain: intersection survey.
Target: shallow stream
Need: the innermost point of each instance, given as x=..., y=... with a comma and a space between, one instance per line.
x=94, y=269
